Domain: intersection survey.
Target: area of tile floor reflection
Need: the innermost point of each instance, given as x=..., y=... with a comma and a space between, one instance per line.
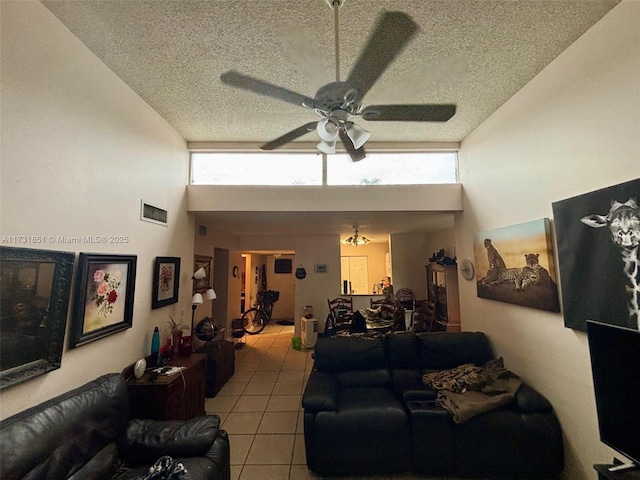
x=260, y=408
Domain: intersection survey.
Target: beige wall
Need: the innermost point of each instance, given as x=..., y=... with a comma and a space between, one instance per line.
x=79, y=150
x=376, y=266
x=571, y=130
x=408, y=257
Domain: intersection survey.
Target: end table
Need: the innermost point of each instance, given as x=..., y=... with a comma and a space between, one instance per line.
x=176, y=397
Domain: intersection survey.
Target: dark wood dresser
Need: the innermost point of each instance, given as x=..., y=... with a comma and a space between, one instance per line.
x=175, y=397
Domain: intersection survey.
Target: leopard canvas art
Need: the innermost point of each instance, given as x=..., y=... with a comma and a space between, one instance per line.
x=515, y=264
x=598, y=237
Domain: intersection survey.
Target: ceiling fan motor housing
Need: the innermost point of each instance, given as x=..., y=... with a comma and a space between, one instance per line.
x=337, y=96
x=334, y=3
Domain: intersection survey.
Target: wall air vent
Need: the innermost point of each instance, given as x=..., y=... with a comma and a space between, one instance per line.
x=149, y=213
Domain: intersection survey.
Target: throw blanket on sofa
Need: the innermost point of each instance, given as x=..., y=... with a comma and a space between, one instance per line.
x=166, y=468
x=468, y=390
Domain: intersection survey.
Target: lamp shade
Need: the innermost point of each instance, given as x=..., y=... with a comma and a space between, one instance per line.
x=210, y=294
x=327, y=130
x=358, y=135
x=327, y=147
x=199, y=274
x=197, y=299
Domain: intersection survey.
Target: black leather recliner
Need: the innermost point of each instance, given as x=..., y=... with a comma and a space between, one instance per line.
x=87, y=433
x=367, y=411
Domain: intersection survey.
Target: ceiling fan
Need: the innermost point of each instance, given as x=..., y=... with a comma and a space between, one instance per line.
x=337, y=103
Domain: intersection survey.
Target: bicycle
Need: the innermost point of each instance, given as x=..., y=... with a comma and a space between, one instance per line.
x=255, y=319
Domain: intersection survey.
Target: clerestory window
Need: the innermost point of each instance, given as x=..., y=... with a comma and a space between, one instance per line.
x=388, y=168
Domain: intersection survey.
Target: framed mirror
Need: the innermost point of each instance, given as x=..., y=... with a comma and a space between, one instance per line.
x=35, y=286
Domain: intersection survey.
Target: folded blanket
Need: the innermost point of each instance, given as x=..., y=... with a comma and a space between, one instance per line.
x=468, y=390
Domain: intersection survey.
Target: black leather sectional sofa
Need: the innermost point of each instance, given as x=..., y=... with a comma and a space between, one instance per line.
x=87, y=434
x=366, y=411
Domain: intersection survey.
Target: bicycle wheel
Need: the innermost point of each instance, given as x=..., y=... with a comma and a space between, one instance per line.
x=254, y=321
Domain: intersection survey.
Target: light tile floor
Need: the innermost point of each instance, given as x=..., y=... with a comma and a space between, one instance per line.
x=260, y=408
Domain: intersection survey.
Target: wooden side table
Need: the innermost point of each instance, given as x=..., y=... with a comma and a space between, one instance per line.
x=175, y=397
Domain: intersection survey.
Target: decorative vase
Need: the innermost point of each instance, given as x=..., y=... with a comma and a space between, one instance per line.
x=185, y=346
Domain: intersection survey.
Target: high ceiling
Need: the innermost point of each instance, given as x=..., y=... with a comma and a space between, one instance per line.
x=472, y=53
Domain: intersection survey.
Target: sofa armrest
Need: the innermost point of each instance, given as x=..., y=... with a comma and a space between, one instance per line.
x=321, y=393
x=426, y=394
x=147, y=440
x=529, y=400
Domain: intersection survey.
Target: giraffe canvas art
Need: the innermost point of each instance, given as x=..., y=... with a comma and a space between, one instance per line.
x=598, y=237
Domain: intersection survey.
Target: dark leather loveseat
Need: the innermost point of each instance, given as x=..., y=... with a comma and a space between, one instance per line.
x=86, y=433
x=366, y=411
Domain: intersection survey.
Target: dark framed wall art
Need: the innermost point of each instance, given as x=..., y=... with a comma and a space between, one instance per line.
x=166, y=281
x=105, y=288
x=515, y=264
x=598, y=234
x=35, y=286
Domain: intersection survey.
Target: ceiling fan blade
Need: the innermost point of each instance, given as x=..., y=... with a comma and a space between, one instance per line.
x=356, y=155
x=289, y=137
x=409, y=113
x=392, y=32
x=239, y=80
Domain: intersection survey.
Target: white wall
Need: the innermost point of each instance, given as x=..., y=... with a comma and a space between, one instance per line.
x=571, y=130
x=79, y=150
x=408, y=258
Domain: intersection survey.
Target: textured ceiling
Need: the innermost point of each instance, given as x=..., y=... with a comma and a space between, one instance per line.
x=473, y=53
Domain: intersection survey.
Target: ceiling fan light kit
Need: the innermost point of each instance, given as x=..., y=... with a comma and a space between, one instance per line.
x=357, y=134
x=336, y=103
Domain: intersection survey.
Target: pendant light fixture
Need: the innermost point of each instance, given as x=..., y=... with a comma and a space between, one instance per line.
x=356, y=239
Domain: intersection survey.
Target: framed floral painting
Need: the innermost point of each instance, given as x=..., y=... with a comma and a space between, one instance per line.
x=166, y=279
x=105, y=287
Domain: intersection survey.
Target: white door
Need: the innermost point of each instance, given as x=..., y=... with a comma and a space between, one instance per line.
x=344, y=275
x=359, y=275
x=355, y=271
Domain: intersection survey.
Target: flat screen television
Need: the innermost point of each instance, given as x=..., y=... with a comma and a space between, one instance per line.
x=615, y=365
x=283, y=265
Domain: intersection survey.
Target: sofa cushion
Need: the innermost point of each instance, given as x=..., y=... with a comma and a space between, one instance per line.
x=379, y=377
x=103, y=465
x=348, y=353
x=369, y=409
x=442, y=350
x=402, y=350
x=145, y=441
x=56, y=438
